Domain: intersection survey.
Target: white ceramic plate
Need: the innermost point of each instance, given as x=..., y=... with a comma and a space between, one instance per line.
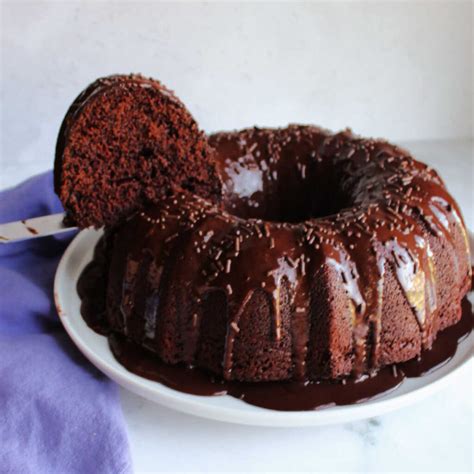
x=224, y=408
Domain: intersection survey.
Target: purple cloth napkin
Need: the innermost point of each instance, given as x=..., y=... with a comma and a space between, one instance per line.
x=57, y=412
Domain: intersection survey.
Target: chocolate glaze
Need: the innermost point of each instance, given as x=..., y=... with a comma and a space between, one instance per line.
x=287, y=396
x=385, y=209
x=31, y=230
x=443, y=348
x=385, y=206
x=92, y=287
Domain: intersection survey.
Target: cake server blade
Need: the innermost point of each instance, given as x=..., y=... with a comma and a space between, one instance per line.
x=33, y=228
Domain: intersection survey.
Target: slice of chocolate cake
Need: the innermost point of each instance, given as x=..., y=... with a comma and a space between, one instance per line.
x=124, y=142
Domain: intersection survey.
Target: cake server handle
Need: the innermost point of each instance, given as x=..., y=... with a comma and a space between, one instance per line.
x=33, y=228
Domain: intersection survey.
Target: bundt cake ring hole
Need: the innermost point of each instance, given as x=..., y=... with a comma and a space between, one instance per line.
x=291, y=201
x=292, y=189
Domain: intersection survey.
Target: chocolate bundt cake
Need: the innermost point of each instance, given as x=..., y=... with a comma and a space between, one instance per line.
x=123, y=142
x=328, y=255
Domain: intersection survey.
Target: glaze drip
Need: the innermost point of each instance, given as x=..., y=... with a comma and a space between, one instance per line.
x=290, y=396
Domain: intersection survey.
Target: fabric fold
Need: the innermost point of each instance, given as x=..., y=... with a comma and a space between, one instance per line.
x=58, y=413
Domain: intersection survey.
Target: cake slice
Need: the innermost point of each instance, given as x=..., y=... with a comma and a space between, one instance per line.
x=123, y=143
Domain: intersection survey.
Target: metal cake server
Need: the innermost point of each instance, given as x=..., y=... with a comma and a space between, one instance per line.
x=33, y=228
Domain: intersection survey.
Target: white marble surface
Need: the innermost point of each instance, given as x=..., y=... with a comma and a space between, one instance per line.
x=435, y=435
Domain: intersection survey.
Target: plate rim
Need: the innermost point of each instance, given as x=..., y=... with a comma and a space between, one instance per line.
x=210, y=406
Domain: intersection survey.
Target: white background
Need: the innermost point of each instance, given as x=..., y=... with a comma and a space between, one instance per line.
x=399, y=70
